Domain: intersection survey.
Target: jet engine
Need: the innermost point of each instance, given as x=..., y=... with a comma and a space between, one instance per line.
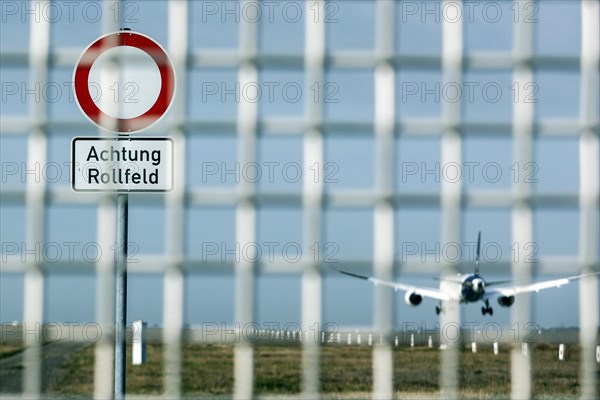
x=413, y=298
x=506, y=301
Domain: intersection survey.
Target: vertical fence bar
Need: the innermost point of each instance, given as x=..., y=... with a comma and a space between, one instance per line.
x=174, y=287
x=383, y=223
x=383, y=365
x=35, y=198
x=244, y=305
x=111, y=74
x=452, y=63
x=105, y=299
x=246, y=210
x=523, y=114
x=311, y=276
x=312, y=196
x=589, y=178
x=104, y=361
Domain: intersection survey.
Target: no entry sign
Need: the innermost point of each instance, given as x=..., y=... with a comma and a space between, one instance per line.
x=146, y=92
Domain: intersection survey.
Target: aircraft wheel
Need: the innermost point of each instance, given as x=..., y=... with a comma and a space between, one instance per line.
x=483, y=310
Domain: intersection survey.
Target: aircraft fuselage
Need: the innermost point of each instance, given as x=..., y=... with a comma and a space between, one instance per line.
x=472, y=288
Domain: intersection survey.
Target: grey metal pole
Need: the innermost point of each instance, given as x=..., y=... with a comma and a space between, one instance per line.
x=121, y=292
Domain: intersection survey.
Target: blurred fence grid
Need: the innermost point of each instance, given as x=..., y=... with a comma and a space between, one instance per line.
x=383, y=198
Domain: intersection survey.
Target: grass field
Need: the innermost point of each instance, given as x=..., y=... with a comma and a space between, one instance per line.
x=345, y=370
x=8, y=349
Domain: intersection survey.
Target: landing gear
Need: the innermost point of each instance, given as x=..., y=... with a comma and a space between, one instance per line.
x=487, y=309
x=439, y=309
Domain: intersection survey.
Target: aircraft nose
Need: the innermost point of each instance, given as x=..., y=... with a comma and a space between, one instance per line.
x=479, y=284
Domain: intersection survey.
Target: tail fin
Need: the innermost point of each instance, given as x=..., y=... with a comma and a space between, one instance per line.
x=477, y=254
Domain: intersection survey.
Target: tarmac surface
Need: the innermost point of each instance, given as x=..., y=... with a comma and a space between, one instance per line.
x=54, y=355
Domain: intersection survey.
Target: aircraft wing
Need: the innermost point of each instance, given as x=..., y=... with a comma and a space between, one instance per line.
x=426, y=292
x=534, y=287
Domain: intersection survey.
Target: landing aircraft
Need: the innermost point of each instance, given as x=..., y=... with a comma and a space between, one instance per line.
x=470, y=288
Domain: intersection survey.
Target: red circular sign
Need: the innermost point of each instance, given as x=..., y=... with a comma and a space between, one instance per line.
x=82, y=73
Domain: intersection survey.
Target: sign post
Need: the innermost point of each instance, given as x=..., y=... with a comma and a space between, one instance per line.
x=121, y=291
x=119, y=163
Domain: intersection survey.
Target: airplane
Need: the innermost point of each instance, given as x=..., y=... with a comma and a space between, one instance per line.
x=471, y=288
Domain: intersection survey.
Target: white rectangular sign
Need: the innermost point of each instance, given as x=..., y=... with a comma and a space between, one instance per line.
x=122, y=164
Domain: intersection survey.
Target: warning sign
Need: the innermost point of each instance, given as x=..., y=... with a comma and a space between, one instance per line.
x=122, y=164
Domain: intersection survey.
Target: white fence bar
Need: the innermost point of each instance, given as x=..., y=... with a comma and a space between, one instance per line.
x=452, y=58
x=312, y=197
x=383, y=214
x=523, y=114
x=246, y=210
x=105, y=299
x=589, y=191
x=245, y=227
x=36, y=209
x=105, y=268
x=174, y=286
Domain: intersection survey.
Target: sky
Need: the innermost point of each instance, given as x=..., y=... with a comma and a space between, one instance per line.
x=349, y=158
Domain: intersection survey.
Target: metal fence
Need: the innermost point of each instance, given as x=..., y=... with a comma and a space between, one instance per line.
x=384, y=198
